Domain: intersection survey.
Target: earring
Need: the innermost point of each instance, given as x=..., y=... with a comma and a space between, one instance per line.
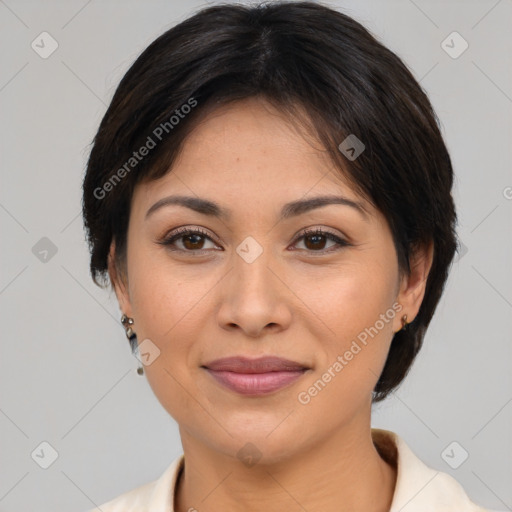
x=130, y=334
x=404, y=323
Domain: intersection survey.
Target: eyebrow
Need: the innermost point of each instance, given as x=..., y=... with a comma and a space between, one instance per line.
x=292, y=209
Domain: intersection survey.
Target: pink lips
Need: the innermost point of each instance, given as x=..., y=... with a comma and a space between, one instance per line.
x=255, y=376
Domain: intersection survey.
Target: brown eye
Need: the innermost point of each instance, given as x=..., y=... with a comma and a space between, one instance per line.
x=188, y=240
x=193, y=242
x=315, y=240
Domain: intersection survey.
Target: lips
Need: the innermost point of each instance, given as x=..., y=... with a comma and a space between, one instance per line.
x=255, y=376
x=266, y=364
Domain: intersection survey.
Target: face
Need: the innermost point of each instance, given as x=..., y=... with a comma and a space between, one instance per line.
x=315, y=284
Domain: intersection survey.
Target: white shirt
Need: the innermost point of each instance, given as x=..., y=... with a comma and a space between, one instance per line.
x=418, y=487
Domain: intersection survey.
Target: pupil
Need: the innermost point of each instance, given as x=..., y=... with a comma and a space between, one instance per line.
x=316, y=238
x=195, y=239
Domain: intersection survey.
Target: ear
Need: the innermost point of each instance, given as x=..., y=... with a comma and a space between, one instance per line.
x=412, y=286
x=119, y=282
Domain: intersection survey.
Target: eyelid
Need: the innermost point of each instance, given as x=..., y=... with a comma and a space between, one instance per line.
x=321, y=230
x=184, y=230
x=340, y=240
x=177, y=233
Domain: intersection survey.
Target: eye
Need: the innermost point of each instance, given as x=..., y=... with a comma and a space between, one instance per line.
x=193, y=240
x=187, y=240
x=315, y=240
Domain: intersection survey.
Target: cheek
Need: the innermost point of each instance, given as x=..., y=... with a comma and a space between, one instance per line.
x=348, y=299
x=165, y=297
x=168, y=309
x=353, y=312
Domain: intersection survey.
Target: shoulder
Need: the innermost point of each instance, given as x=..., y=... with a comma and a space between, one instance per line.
x=155, y=496
x=136, y=499
x=420, y=488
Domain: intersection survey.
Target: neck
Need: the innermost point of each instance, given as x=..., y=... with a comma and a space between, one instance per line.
x=341, y=474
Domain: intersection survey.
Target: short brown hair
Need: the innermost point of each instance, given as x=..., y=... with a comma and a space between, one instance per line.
x=294, y=54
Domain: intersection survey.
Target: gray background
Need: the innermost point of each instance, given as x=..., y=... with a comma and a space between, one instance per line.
x=67, y=375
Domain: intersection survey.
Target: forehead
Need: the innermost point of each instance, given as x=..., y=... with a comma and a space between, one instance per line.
x=250, y=155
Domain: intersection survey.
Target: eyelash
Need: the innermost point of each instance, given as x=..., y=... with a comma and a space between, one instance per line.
x=183, y=232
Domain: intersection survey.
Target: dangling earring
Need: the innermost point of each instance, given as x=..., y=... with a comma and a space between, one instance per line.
x=130, y=334
x=404, y=323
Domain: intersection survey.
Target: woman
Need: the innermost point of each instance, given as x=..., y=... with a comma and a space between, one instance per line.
x=269, y=196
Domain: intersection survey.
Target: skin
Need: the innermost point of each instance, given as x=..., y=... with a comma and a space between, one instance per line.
x=297, y=300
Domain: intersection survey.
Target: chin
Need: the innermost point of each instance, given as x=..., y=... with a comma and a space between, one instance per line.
x=260, y=442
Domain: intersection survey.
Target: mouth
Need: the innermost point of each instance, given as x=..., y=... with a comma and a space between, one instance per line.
x=255, y=376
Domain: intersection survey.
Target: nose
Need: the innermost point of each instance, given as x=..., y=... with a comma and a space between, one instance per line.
x=255, y=297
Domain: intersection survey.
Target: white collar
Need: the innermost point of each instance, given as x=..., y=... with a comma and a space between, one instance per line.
x=420, y=488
